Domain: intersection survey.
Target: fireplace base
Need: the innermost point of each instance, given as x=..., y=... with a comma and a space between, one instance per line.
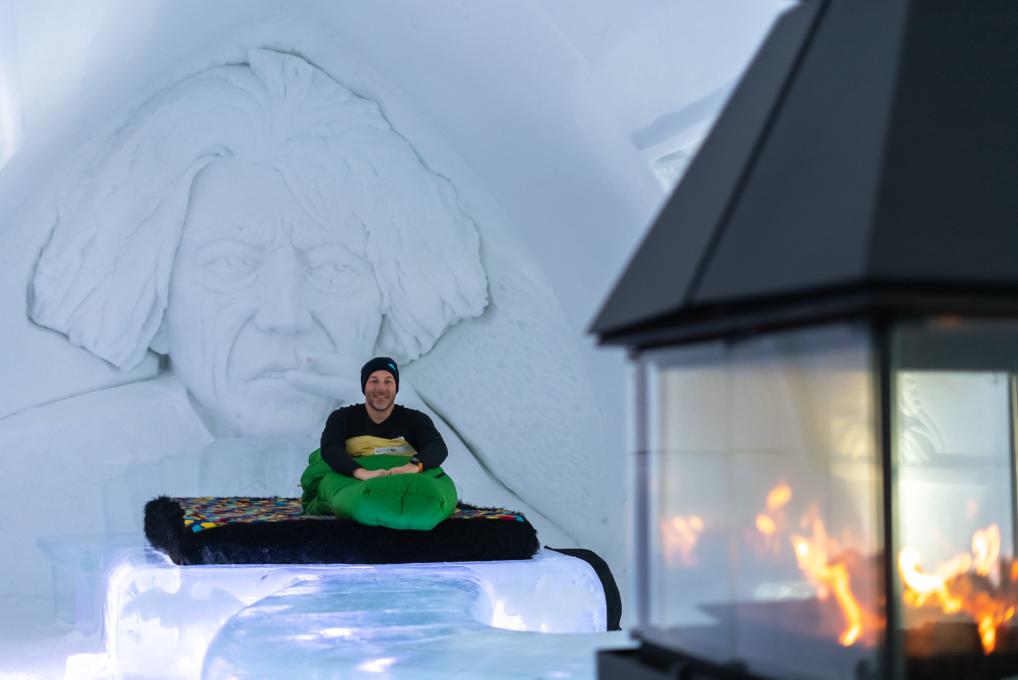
x=650, y=662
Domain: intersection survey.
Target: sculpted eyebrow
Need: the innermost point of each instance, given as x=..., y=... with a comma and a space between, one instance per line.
x=227, y=244
x=330, y=247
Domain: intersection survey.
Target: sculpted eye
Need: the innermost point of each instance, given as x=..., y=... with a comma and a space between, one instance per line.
x=231, y=261
x=329, y=268
x=227, y=265
x=331, y=274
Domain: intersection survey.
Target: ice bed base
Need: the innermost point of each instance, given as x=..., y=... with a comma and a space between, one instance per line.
x=161, y=618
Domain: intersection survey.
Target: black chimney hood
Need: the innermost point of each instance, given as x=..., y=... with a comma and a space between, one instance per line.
x=867, y=163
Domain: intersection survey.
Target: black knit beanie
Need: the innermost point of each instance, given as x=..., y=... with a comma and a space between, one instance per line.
x=379, y=364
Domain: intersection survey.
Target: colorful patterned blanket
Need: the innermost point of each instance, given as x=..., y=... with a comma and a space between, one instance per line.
x=209, y=512
x=253, y=530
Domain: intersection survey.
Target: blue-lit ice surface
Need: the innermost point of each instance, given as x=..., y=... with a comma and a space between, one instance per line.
x=464, y=619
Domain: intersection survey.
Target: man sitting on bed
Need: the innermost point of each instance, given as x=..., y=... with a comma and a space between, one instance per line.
x=379, y=461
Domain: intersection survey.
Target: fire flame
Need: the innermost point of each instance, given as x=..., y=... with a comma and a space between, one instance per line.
x=679, y=536
x=777, y=498
x=765, y=525
x=812, y=555
x=919, y=586
x=949, y=585
x=967, y=584
x=986, y=550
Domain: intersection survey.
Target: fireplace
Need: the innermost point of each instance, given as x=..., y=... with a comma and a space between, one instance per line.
x=764, y=484
x=823, y=331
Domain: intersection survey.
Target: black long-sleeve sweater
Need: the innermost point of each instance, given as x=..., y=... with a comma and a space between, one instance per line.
x=353, y=421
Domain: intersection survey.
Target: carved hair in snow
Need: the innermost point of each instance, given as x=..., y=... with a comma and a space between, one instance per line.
x=104, y=275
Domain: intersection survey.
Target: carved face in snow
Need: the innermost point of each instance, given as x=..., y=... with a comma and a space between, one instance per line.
x=248, y=217
x=257, y=285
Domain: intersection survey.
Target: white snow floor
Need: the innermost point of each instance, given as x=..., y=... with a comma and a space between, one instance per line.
x=33, y=646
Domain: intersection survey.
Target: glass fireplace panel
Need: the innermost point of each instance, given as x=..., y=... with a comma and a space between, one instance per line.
x=764, y=491
x=954, y=452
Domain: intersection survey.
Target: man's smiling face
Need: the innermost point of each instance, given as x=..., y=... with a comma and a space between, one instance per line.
x=380, y=391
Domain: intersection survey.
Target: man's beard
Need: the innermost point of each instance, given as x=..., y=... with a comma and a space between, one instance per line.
x=386, y=402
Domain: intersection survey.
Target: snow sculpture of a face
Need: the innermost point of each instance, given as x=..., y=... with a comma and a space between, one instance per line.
x=248, y=217
x=258, y=285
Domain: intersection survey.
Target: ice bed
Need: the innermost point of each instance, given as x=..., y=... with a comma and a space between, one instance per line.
x=178, y=611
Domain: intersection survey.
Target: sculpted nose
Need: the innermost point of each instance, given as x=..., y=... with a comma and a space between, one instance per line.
x=283, y=308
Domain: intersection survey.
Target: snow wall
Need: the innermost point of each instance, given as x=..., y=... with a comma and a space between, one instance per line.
x=211, y=215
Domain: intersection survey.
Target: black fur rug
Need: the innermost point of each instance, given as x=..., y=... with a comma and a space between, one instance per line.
x=333, y=540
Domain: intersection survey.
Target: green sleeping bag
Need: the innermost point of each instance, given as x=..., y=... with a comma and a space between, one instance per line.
x=408, y=501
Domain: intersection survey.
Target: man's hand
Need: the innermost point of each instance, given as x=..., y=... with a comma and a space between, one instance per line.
x=363, y=473
x=407, y=469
